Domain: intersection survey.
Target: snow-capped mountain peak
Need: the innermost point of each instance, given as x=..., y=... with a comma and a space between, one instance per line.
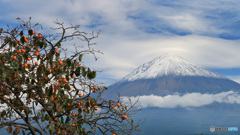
x=169, y=65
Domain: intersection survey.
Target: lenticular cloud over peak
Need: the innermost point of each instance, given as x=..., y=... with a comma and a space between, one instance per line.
x=187, y=100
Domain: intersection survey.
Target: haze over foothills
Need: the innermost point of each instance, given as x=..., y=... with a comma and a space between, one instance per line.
x=134, y=32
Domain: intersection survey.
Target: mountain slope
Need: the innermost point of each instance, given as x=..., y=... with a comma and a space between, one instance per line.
x=168, y=65
x=169, y=75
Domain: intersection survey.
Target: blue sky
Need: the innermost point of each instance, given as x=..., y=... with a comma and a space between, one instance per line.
x=205, y=32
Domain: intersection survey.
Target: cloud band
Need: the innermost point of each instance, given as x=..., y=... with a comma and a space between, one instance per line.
x=187, y=100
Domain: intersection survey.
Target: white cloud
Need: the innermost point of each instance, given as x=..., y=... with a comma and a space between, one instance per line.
x=185, y=101
x=125, y=55
x=192, y=23
x=124, y=42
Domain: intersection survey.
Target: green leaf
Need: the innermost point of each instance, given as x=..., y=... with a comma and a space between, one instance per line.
x=50, y=88
x=49, y=93
x=32, y=81
x=21, y=33
x=68, y=62
x=71, y=73
x=28, y=91
x=46, y=117
x=57, y=57
x=3, y=113
x=47, y=72
x=125, y=107
x=58, y=44
x=84, y=71
x=22, y=40
x=72, y=66
x=67, y=75
x=77, y=71
x=43, y=83
x=91, y=75
x=40, y=43
x=45, y=44
x=10, y=45
x=27, y=110
x=66, y=87
x=14, y=43
x=36, y=24
x=30, y=32
x=20, y=58
x=79, y=111
x=105, y=88
x=131, y=121
x=87, y=105
x=89, y=70
x=84, y=74
x=80, y=57
x=61, y=93
x=62, y=120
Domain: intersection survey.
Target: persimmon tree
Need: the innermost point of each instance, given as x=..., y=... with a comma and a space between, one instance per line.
x=45, y=91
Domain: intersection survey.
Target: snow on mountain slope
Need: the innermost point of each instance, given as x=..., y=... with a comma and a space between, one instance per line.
x=169, y=65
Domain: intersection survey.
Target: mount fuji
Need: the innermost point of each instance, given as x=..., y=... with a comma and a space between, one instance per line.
x=179, y=97
x=171, y=74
